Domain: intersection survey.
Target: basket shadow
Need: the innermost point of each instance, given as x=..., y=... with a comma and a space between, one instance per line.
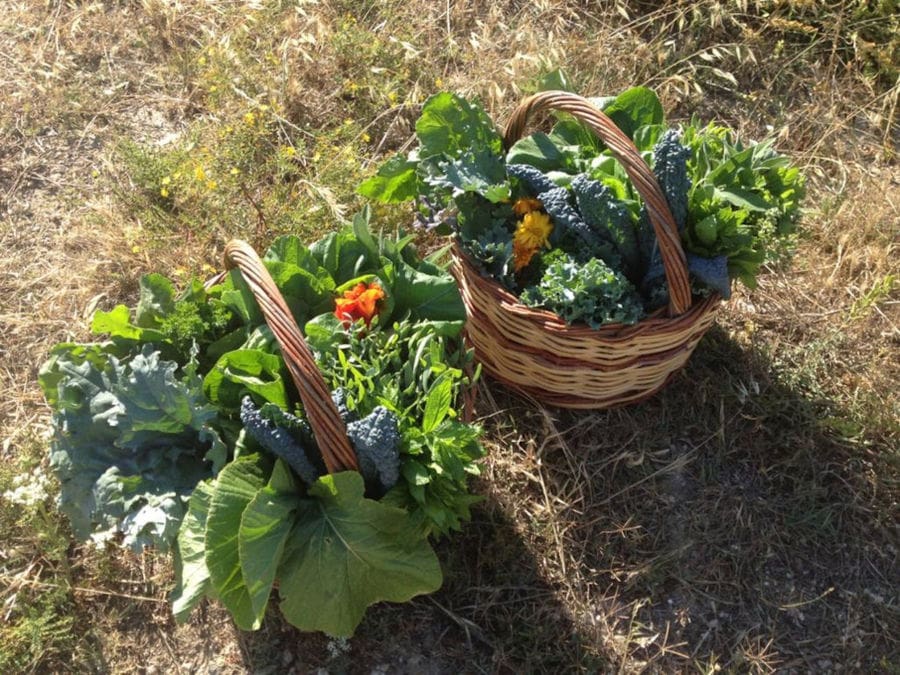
x=731, y=520
x=494, y=614
x=722, y=522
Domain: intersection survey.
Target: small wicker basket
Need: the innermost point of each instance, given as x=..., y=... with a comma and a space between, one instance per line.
x=536, y=353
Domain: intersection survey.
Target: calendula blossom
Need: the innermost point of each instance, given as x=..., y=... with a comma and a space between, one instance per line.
x=360, y=302
x=532, y=233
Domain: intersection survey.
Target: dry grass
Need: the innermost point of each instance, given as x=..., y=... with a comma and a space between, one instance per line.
x=744, y=519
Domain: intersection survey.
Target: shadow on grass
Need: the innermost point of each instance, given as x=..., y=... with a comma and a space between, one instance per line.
x=494, y=614
x=730, y=521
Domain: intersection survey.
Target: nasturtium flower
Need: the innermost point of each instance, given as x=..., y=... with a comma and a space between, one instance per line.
x=525, y=205
x=360, y=302
x=532, y=234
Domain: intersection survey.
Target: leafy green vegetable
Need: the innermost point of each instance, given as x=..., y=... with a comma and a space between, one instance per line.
x=358, y=550
x=153, y=446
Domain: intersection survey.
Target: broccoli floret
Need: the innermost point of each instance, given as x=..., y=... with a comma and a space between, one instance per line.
x=670, y=167
x=277, y=439
x=608, y=217
x=376, y=440
x=534, y=178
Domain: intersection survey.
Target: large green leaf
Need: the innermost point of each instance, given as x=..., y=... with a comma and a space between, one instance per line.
x=265, y=525
x=346, y=553
x=539, y=151
x=426, y=296
x=395, y=181
x=449, y=125
x=157, y=300
x=192, y=581
x=117, y=324
x=243, y=370
x=634, y=108
x=235, y=487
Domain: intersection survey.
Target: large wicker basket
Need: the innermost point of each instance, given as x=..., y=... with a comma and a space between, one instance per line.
x=536, y=353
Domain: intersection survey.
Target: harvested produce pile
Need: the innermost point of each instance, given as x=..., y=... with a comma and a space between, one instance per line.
x=182, y=430
x=557, y=221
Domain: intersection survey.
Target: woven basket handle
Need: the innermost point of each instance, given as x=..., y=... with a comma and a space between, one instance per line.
x=624, y=150
x=326, y=422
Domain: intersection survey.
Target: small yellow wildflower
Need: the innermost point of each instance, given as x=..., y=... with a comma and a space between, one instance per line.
x=250, y=118
x=234, y=171
x=211, y=185
x=180, y=272
x=164, y=192
x=366, y=138
x=213, y=89
x=202, y=61
x=438, y=82
x=348, y=122
x=392, y=97
x=206, y=268
x=135, y=249
x=288, y=150
x=199, y=173
x=525, y=205
x=166, y=180
x=317, y=156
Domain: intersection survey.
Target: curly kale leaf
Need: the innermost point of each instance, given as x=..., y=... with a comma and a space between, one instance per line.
x=376, y=440
x=131, y=439
x=278, y=439
x=591, y=293
x=492, y=249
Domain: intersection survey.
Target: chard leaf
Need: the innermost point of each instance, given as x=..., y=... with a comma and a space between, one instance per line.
x=265, y=525
x=243, y=370
x=192, y=575
x=234, y=489
x=346, y=553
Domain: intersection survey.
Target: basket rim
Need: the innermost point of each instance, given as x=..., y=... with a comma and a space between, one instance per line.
x=656, y=322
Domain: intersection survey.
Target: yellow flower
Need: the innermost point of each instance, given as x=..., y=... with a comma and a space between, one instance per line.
x=534, y=229
x=199, y=173
x=164, y=192
x=532, y=233
x=366, y=138
x=250, y=118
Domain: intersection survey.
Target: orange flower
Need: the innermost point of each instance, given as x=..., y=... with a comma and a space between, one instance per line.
x=525, y=205
x=360, y=302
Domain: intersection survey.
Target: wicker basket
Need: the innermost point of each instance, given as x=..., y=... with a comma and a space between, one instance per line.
x=327, y=425
x=536, y=353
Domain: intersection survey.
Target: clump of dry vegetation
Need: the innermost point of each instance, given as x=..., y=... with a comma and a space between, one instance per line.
x=744, y=519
